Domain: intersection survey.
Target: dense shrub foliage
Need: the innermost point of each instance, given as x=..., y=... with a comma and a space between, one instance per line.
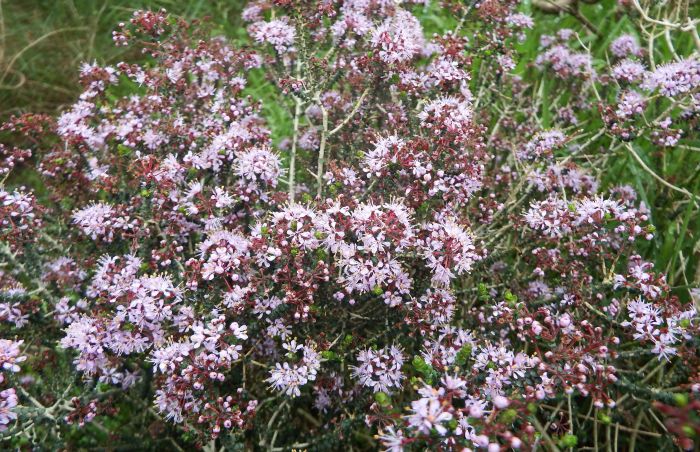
x=350, y=233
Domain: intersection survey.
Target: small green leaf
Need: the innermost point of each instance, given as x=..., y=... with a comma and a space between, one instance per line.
x=508, y=416
x=569, y=440
x=463, y=355
x=124, y=150
x=680, y=399
x=329, y=355
x=382, y=399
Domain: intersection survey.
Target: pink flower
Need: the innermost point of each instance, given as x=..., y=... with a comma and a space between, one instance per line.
x=8, y=401
x=380, y=370
x=277, y=33
x=449, y=251
x=259, y=167
x=625, y=46
x=10, y=355
x=392, y=439
x=427, y=413
x=542, y=145
x=399, y=38
x=628, y=71
x=673, y=79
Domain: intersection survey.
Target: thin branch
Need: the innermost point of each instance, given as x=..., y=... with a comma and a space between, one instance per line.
x=14, y=59
x=293, y=151
x=688, y=27
x=657, y=177
x=321, y=149
x=352, y=113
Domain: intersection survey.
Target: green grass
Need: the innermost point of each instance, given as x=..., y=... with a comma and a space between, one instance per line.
x=44, y=42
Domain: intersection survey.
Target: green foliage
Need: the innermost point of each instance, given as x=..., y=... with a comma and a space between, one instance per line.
x=424, y=369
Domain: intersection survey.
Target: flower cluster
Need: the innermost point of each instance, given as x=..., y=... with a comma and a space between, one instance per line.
x=10, y=357
x=542, y=145
x=565, y=62
x=676, y=78
x=101, y=221
x=625, y=46
x=277, y=33
x=18, y=217
x=380, y=370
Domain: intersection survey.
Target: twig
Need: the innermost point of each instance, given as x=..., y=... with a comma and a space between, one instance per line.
x=321, y=149
x=688, y=27
x=14, y=59
x=352, y=113
x=657, y=177
x=293, y=152
x=544, y=434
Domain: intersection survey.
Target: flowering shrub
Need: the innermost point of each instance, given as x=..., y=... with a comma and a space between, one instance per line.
x=424, y=256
